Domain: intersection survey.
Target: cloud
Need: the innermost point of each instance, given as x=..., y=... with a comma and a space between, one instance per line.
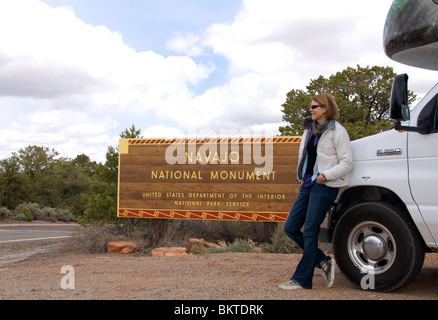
x=299, y=37
x=72, y=132
x=161, y=131
x=50, y=53
x=74, y=86
x=46, y=52
x=77, y=77
x=188, y=44
x=273, y=47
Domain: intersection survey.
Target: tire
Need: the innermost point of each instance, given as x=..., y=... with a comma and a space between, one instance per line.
x=377, y=248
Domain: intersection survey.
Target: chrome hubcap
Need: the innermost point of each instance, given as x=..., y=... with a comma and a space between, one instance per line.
x=372, y=247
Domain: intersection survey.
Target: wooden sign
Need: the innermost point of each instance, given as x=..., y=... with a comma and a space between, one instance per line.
x=239, y=179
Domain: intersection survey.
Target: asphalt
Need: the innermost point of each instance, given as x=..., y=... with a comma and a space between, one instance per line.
x=35, y=231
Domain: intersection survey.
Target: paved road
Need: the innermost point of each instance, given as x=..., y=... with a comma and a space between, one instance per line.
x=17, y=232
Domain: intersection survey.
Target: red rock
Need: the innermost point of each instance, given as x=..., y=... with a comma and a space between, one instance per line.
x=121, y=247
x=173, y=251
x=197, y=243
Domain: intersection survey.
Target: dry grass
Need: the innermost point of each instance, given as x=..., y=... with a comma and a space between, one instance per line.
x=232, y=237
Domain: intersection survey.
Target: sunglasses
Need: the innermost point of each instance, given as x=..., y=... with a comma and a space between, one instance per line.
x=314, y=106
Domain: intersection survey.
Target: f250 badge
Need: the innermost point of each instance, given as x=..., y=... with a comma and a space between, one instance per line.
x=389, y=152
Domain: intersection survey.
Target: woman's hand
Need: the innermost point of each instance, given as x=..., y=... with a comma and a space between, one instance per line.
x=320, y=179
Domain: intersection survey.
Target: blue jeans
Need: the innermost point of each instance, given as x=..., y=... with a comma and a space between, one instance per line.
x=309, y=210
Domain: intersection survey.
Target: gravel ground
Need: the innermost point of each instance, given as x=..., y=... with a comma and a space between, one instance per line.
x=226, y=276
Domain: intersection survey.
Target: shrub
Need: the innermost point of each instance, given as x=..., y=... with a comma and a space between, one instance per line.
x=240, y=245
x=19, y=217
x=45, y=214
x=227, y=231
x=94, y=237
x=281, y=243
x=48, y=214
x=56, y=214
x=5, y=213
x=65, y=215
x=31, y=207
x=26, y=213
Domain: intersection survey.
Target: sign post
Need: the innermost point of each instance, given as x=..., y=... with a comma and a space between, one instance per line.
x=228, y=179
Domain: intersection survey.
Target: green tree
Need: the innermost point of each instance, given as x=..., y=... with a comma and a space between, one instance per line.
x=101, y=202
x=53, y=181
x=130, y=133
x=71, y=182
x=362, y=95
x=38, y=175
x=37, y=163
x=34, y=159
x=14, y=183
x=87, y=166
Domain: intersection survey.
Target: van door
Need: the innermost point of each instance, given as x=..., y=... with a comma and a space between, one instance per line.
x=423, y=164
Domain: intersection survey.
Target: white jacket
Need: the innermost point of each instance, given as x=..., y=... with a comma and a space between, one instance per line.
x=334, y=155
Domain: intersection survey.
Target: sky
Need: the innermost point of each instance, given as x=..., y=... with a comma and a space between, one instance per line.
x=75, y=73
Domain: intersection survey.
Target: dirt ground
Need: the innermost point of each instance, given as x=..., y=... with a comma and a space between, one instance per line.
x=225, y=276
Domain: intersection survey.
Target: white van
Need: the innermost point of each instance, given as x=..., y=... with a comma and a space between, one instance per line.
x=384, y=222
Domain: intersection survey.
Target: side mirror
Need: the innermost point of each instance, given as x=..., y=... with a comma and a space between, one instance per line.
x=399, y=110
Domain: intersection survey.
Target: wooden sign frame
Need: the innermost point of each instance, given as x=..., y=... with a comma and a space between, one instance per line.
x=233, y=179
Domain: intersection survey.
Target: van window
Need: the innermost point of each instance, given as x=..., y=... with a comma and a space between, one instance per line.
x=428, y=117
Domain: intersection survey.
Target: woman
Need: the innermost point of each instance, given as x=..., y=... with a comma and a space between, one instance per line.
x=324, y=161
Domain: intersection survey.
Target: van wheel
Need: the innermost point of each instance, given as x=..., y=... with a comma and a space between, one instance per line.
x=377, y=248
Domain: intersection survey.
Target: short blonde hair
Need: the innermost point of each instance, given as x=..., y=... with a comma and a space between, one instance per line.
x=326, y=100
